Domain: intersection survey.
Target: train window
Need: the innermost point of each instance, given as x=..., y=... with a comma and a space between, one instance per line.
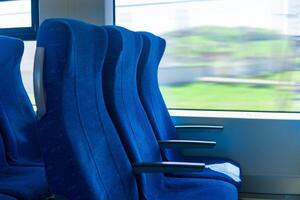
x=19, y=18
x=223, y=54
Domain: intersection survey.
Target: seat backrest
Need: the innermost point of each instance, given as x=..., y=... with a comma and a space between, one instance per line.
x=149, y=92
x=17, y=117
x=124, y=106
x=3, y=163
x=83, y=155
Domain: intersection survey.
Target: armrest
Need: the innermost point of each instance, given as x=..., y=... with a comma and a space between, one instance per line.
x=185, y=144
x=167, y=167
x=213, y=127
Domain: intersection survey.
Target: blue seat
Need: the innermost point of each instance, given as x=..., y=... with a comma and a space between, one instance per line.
x=160, y=119
x=17, y=117
x=83, y=154
x=130, y=120
x=26, y=183
x=21, y=170
x=5, y=197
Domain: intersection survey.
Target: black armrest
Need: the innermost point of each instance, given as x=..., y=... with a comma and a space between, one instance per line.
x=167, y=167
x=214, y=127
x=185, y=144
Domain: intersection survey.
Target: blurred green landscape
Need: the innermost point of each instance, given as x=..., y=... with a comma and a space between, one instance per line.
x=211, y=46
x=243, y=97
x=201, y=46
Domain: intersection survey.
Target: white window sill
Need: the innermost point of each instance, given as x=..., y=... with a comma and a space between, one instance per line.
x=235, y=114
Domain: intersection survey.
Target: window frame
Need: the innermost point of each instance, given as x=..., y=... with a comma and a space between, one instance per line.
x=25, y=33
x=114, y=12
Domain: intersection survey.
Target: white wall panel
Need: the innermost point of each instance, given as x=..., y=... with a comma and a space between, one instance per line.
x=267, y=148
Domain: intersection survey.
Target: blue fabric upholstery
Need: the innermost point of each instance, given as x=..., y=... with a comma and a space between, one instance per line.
x=5, y=197
x=83, y=155
x=26, y=183
x=129, y=117
x=156, y=109
x=18, y=130
x=17, y=117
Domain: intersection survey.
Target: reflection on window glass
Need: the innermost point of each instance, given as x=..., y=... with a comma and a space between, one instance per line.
x=224, y=54
x=15, y=14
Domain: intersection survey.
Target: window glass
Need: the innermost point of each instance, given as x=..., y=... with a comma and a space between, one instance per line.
x=19, y=18
x=27, y=67
x=15, y=14
x=223, y=54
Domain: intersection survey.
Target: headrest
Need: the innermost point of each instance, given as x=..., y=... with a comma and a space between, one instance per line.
x=11, y=51
x=153, y=49
x=52, y=34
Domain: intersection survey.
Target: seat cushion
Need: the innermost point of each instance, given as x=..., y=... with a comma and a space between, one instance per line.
x=21, y=182
x=5, y=197
x=26, y=183
x=204, y=189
